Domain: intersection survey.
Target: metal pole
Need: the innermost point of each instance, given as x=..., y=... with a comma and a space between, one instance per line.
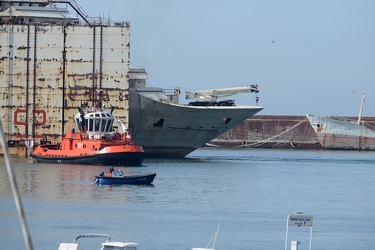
x=16, y=195
x=287, y=227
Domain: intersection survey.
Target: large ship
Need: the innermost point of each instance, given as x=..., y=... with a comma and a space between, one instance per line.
x=343, y=132
x=165, y=128
x=53, y=60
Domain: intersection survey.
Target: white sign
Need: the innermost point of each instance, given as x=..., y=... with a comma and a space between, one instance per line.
x=29, y=142
x=300, y=220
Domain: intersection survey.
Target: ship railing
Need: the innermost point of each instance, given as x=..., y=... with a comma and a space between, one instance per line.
x=344, y=119
x=99, y=135
x=96, y=21
x=175, y=91
x=100, y=21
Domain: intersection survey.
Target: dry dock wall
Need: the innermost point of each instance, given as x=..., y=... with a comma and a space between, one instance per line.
x=47, y=71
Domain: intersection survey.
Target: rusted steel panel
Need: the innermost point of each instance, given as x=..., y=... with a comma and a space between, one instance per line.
x=106, y=69
x=47, y=71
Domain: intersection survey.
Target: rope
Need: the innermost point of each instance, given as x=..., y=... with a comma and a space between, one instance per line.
x=255, y=144
x=303, y=138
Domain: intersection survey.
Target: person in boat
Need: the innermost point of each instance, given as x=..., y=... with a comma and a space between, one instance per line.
x=121, y=173
x=110, y=171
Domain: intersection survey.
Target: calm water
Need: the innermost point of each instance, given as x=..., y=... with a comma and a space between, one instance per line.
x=249, y=192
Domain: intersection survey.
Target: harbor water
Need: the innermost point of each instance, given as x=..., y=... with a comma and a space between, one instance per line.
x=248, y=192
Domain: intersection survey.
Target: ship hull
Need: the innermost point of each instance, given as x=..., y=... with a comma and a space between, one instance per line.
x=145, y=179
x=124, y=158
x=121, y=158
x=76, y=149
x=174, y=130
x=333, y=133
x=86, y=160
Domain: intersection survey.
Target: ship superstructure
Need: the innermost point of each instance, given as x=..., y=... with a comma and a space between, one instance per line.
x=37, y=12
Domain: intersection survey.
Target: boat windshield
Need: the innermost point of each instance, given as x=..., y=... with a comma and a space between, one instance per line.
x=97, y=122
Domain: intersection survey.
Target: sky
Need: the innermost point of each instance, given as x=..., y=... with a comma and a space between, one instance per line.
x=308, y=57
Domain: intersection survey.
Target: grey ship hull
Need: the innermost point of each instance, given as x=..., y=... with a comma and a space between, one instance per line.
x=165, y=129
x=333, y=133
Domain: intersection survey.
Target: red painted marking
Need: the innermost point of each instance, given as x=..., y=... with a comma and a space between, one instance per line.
x=23, y=123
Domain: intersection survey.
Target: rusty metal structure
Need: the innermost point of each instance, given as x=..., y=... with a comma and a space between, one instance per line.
x=346, y=133
x=51, y=61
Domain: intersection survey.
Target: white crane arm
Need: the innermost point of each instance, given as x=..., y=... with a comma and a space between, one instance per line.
x=214, y=94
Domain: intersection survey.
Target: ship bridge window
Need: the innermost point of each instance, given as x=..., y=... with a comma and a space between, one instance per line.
x=89, y=124
x=97, y=123
x=159, y=122
x=108, y=126
x=225, y=120
x=103, y=124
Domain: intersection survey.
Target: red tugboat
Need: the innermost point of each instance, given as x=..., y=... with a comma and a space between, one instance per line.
x=96, y=142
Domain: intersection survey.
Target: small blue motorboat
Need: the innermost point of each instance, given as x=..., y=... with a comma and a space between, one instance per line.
x=116, y=177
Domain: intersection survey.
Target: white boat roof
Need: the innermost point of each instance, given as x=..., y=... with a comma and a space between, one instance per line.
x=70, y=246
x=120, y=244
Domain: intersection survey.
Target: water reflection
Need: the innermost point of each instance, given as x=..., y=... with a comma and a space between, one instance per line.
x=68, y=183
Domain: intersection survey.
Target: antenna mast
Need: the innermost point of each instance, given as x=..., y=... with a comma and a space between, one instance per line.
x=361, y=109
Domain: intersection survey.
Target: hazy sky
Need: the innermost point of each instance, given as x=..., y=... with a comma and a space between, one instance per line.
x=321, y=60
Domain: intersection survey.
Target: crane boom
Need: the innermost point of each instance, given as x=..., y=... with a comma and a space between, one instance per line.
x=214, y=94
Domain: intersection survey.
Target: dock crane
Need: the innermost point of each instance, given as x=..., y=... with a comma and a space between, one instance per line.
x=211, y=95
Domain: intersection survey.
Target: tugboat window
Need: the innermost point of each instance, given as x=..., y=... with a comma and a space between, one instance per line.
x=102, y=125
x=90, y=124
x=107, y=127
x=97, y=124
